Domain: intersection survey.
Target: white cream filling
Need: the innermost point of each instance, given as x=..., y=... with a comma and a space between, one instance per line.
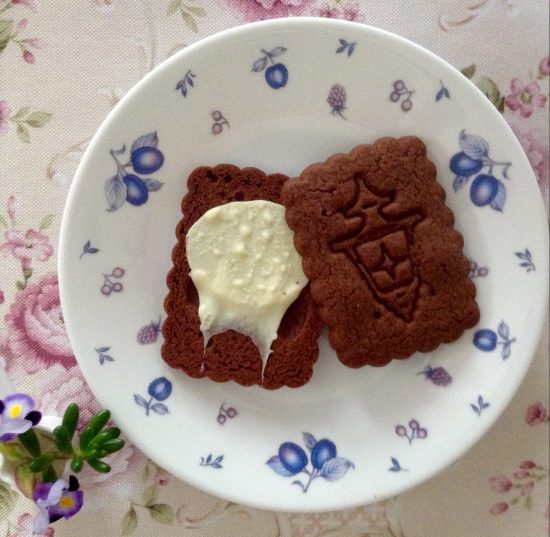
x=246, y=270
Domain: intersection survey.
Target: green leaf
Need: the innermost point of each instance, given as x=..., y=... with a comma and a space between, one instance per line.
x=490, y=90
x=99, y=420
x=110, y=446
x=469, y=71
x=514, y=501
x=27, y=273
x=3, y=222
x=161, y=513
x=20, y=285
x=199, y=11
x=5, y=33
x=63, y=440
x=21, y=113
x=13, y=451
x=42, y=462
x=500, y=105
x=173, y=7
x=49, y=475
x=129, y=522
x=189, y=21
x=38, y=119
x=26, y=480
x=99, y=466
x=23, y=133
x=104, y=436
x=76, y=464
x=150, y=495
x=94, y=426
x=30, y=442
x=8, y=497
x=70, y=418
x=528, y=503
x=46, y=222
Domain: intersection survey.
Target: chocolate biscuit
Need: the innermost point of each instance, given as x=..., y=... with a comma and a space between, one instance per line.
x=232, y=355
x=378, y=245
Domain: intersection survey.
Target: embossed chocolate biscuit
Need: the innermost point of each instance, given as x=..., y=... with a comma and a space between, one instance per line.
x=231, y=355
x=378, y=245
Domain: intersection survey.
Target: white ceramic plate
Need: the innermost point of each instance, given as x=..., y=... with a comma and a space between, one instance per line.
x=280, y=95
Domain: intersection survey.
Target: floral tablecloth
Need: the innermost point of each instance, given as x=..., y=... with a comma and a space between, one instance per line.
x=63, y=66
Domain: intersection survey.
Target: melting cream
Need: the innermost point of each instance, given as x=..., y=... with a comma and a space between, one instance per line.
x=246, y=270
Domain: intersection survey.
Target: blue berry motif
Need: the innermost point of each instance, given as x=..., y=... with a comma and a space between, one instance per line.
x=291, y=460
x=159, y=389
x=487, y=340
x=145, y=159
x=276, y=75
x=292, y=457
x=486, y=188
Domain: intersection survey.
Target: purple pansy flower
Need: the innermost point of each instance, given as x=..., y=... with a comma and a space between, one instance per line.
x=17, y=415
x=56, y=500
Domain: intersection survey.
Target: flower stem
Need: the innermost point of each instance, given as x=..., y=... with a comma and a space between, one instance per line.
x=148, y=406
x=268, y=55
x=312, y=476
x=120, y=167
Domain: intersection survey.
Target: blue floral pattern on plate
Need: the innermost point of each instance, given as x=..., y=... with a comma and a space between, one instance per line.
x=473, y=159
x=526, y=260
x=219, y=122
x=487, y=340
x=88, y=249
x=439, y=376
x=337, y=97
x=145, y=158
x=413, y=431
x=396, y=466
x=477, y=271
x=159, y=390
x=276, y=75
x=480, y=405
x=112, y=283
x=103, y=356
x=226, y=413
x=400, y=90
x=442, y=92
x=209, y=460
x=186, y=83
x=292, y=460
x=345, y=46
